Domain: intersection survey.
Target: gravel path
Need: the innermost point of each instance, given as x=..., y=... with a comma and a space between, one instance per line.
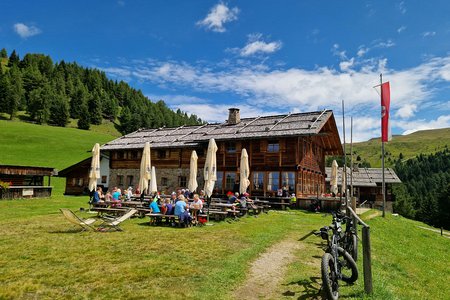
x=268, y=270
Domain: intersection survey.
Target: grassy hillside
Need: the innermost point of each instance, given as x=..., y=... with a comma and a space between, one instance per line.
x=47, y=146
x=426, y=142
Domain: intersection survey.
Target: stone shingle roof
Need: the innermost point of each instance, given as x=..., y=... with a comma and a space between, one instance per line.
x=366, y=176
x=298, y=124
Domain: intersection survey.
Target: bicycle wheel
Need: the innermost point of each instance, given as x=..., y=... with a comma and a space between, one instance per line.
x=329, y=277
x=351, y=245
x=347, y=266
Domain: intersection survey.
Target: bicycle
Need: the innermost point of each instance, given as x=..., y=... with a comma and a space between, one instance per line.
x=349, y=239
x=336, y=262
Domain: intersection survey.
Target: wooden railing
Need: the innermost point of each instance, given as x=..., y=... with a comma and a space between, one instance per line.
x=367, y=260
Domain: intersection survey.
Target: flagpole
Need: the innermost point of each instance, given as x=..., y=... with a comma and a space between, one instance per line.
x=344, y=173
x=382, y=158
x=352, y=200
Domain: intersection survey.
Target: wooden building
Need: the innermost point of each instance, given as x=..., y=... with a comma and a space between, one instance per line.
x=25, y=182
x=285, y=151
x=77, y=176
x=367, y=184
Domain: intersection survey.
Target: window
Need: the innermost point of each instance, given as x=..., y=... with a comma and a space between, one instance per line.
x=74, y=181
x=229, y=181
x=161, y=154
x=119, y=179
x=273, y=181
x=258, y=181
x=219, y=182
x=288, y=181
x=231, y=147
x=273, y=146
x=119, y=155
x=182, y=181
x=104, y=179
x=130, y=180
x=164, y=181
x=133, y=154
x=256, y=147
x=80, y=181
x=200, y=152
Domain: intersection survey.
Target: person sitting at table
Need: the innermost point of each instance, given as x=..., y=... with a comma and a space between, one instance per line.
x=154, y=208
x=173, y=198
x=108, y=197
x=197, y=204
x=202, y=194
x=181, y=211
x=231, y=198
x=129, y=193
x=168, y=207
x=98, y=196
x=116, y=198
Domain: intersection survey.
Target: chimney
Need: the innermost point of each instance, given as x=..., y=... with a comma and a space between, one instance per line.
x=234, y=116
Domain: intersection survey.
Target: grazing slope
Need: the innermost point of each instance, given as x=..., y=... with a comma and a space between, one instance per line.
x=411, y=145
x=47, y=146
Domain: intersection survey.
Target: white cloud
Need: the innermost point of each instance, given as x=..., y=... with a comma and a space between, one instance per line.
x=401, y=29
x=428, y=34
x=406, y=111
x=362, y=51
x=346, y=65
x=401, y=7
x=26, y=31
x=336, y=51
x=383, y=44
x=218, y=16
x=262, y=88
x=256, y=45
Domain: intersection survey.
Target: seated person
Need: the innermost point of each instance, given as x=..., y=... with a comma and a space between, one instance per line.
x=231, y=197
x=129, y=193
x=98, y=196
x=154, y=208
x=197, y=204
x=168, y=207
x=181, y=210
x=116, y=198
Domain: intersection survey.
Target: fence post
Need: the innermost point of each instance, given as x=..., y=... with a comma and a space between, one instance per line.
x=367, y=261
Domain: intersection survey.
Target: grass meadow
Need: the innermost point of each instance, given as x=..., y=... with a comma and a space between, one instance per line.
x=46, y=257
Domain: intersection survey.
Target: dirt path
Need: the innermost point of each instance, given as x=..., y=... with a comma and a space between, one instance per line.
x=268, y=270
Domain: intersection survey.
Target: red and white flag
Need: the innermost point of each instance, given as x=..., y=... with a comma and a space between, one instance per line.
x=385, y=104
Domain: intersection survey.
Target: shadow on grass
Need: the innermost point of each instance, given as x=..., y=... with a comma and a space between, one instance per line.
x=73, y=230
x=309, y=289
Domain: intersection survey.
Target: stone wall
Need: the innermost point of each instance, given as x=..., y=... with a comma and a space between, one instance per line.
x=171, y=177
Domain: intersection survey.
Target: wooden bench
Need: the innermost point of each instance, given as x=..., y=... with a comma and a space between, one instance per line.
x=113, y=211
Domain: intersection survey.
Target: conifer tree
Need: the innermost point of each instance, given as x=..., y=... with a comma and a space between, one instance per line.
x=84, y=120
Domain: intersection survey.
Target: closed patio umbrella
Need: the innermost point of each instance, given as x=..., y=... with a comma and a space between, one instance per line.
x=146, y=168
x=244, y=172
x=334, y=177
x=94, y=172
x=192, y=185
x=153, y=183
x=210, y=170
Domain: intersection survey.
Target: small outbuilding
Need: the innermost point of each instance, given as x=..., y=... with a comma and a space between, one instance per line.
x=77, y=176
x=25, y=182
x=367, y=184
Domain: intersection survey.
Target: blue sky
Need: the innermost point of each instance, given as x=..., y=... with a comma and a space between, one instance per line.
x=265, y=57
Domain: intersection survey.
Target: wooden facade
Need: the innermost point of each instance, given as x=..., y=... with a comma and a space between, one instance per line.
x=367, y=184
x=26, y=182
x=292, y=157
x=77, y=176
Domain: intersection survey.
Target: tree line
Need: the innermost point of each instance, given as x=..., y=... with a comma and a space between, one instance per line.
x=425, y=192
x=52, y=93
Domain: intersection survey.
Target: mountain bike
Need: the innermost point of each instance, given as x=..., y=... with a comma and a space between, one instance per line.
x=337, y=264
x=349, y=239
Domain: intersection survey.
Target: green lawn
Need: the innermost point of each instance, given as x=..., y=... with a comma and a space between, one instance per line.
x=28, y=144
x=43, y=257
